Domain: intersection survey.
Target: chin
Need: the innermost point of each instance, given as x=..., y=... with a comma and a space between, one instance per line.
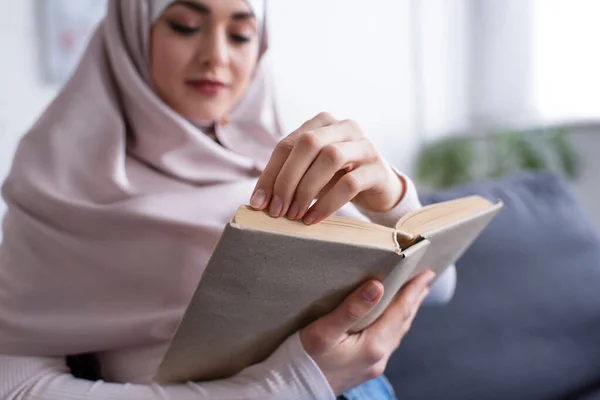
x=204, y=116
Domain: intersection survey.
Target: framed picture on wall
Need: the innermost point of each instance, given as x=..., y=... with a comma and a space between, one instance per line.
x=66, y=27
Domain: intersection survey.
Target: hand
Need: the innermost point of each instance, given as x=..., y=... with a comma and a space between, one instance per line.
x=347, y=360
x=331, y=161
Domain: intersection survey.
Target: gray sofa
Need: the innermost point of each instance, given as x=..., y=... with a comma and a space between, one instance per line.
x=525, y=320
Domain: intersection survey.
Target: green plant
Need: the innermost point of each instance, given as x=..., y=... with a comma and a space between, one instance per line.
x=460, y=159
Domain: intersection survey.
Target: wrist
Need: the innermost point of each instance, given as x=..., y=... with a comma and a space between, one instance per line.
x=401, y=180
x=396, y=188
x=388, y=195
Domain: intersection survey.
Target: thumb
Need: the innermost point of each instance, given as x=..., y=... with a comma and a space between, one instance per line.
x=327, y=331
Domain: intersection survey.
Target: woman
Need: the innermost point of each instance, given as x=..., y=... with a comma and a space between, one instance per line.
x=119, y=193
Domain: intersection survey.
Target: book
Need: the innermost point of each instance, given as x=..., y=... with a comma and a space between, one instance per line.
x=269, y=277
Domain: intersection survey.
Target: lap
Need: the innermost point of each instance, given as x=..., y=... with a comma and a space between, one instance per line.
x=375, y=389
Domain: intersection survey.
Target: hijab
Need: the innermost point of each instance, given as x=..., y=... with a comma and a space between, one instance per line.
x=116, y=202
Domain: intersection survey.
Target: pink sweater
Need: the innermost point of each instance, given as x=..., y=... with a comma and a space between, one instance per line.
x=289, y=373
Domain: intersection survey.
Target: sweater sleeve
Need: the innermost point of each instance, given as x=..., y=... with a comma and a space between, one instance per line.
x=290, y=373
x=442, y=290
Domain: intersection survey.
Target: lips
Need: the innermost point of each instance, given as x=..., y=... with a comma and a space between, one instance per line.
x=210, y=87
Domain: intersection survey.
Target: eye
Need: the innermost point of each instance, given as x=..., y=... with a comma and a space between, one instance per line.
x=183, y=29
x=240, y=38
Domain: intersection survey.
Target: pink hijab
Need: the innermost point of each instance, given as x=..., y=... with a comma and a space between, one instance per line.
x=115, y=202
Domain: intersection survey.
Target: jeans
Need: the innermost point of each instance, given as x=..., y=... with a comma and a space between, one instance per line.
x=376, y=389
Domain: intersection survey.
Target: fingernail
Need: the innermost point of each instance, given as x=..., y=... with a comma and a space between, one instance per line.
x=310, y=217
x=370, y=292
x=258, y=198
x=275, y=207
x=293, y=211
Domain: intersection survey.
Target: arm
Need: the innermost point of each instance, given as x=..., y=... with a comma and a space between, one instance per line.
x=290, y=373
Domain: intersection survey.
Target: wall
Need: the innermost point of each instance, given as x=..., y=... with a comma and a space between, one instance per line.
x=501, y=59
x=566, y=79
x=351, y=59
x=585, y=138
x=23, y=95
x=441, y=67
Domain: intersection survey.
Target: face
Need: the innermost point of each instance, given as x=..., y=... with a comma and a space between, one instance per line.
x=203, y=56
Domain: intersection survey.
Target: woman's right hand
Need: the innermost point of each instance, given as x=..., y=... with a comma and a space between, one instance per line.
x=348, y=360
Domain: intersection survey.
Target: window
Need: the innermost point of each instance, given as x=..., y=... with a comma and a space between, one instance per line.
x=566, y=59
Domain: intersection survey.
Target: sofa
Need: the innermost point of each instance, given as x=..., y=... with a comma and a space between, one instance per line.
x=524, y=322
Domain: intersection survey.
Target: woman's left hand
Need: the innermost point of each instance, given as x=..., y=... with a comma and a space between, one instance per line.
x=331, y=161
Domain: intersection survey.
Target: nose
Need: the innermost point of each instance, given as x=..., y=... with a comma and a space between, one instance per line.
x=216, y=51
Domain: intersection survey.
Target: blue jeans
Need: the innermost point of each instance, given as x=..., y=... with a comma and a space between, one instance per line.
x=376, y=389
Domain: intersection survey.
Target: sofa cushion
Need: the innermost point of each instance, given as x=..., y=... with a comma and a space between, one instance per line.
x=525, y=319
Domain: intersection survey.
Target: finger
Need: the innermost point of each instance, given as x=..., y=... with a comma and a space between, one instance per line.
x=349, y=185
x=392, y=336
x=387, y=193
x=332, y=182
x=329, y=330
x=417, y=306
x=385, y=335
x=401, y=308
x=261, y=195
x=330, y=160
x=318, y=121
x=308, y=145
x=412, y=292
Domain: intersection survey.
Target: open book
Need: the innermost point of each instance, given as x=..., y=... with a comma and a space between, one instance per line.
x=269, y=277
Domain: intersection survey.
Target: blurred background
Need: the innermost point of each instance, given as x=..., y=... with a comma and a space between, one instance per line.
x=450, y=90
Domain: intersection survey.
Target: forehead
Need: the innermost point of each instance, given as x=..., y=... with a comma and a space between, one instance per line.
x=219, y=8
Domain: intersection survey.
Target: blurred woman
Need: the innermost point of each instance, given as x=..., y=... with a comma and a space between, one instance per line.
x=119, y=193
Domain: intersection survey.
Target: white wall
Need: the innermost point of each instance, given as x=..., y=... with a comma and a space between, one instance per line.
x=501, y=63
x=566, y=59
x=23, y=95
x=352, y=59
x=442, y=66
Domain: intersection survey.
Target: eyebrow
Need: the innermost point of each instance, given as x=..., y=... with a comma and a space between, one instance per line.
x=204, y=10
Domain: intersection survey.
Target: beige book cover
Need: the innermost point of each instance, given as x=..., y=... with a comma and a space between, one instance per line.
x=265, y=282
